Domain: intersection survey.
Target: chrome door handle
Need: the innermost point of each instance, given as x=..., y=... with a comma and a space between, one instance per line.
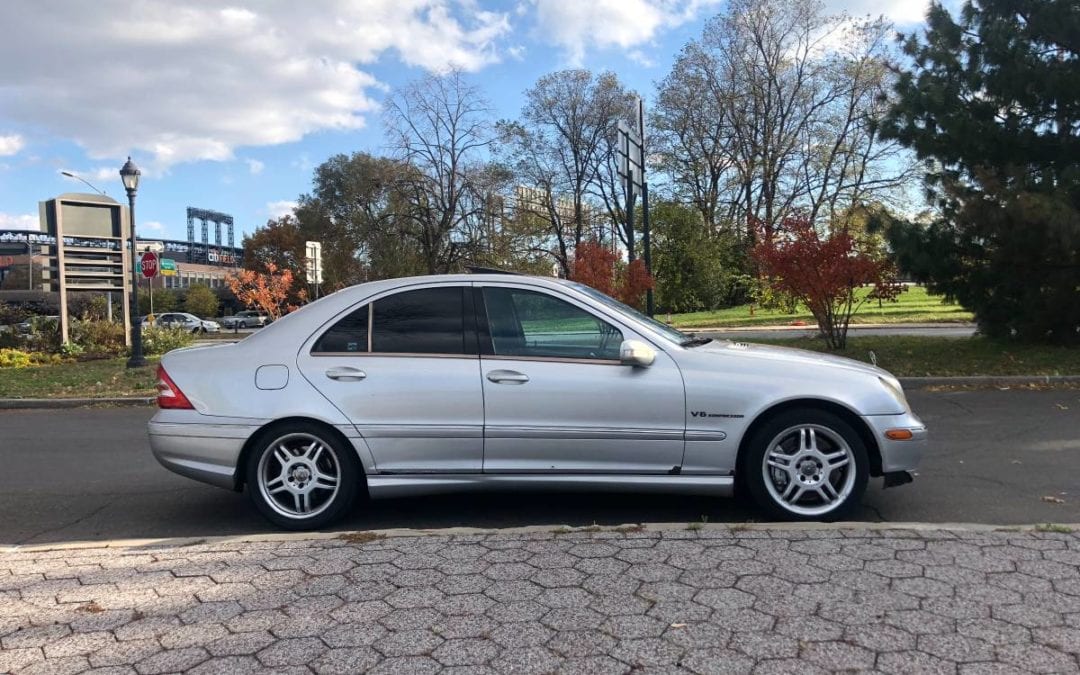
x=507, y=377
x=346, y=373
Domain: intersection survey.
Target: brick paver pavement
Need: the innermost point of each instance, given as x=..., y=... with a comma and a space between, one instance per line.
x=709, y=600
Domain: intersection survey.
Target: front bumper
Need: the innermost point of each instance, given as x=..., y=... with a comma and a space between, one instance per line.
x=204, y=452
x=898, y=455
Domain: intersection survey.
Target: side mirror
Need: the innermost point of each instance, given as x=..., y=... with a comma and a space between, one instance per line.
x=636, y=353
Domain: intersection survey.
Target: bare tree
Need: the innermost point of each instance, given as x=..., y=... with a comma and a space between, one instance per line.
x=439, y=126
x=562, y=150
x=774, y=111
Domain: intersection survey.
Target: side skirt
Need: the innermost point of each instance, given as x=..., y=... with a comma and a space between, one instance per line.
x=402, y=485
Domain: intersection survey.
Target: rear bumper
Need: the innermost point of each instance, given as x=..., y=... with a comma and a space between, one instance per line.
x=898, y=455
x=204, y=452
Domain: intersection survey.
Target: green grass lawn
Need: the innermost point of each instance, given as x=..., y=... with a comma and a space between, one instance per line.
x=911, y=356
x=96, y=379
x=915, y=305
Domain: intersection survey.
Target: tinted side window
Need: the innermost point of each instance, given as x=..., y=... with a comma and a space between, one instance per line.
x=424, y=321
x=347, y=335
x=526, y=323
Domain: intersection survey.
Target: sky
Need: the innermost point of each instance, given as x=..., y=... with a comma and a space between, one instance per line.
x=230, y=105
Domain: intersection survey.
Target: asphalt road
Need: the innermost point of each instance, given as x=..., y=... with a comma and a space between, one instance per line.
x=1000, y=457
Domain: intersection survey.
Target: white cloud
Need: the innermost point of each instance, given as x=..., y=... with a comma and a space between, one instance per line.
x=25, y=221
x=578, y=25
x=149, y=226
x=10, y=145
x=255, y=166
x=182, y=80
x=281, y=208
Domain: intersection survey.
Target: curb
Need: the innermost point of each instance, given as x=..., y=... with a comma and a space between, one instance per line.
x=531, y=530
x=988, y=381
x=58, y=403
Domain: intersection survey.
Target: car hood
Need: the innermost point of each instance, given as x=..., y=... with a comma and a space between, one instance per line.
x=787, y=355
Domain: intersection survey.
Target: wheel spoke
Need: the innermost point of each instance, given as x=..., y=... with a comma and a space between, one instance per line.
x=276, y=485
x=325, y=481
x=779, y=459
x=282, y=454
x=314, y=451
x=792, y=492
x=828, y=492
x=305, y=502
x=836, y=460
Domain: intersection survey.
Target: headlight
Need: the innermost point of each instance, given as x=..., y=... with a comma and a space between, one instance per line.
x=894, y=388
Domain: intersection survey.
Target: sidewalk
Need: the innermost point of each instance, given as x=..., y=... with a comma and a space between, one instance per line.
x=666, y=598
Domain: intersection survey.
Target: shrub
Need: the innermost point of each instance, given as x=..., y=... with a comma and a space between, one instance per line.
x=15, y=358
x=98, y=337
x=201, y=301
x=157, y=340
x=18, y=358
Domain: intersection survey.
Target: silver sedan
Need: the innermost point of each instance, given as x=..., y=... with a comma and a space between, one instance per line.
x=503, y=382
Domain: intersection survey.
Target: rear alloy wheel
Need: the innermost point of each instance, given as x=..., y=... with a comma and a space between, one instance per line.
x=301, y=477
x=807, y=465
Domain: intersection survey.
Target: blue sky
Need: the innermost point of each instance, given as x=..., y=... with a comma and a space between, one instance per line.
x=230, y=105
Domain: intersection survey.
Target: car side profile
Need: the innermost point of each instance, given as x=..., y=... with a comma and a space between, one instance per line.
x=188, y=322
x=503, y=382
x=245, y=319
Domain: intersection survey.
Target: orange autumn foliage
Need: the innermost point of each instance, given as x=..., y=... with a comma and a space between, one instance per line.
x=271, y=292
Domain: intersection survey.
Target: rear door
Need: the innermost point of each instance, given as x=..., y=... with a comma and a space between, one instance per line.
x=404, y=369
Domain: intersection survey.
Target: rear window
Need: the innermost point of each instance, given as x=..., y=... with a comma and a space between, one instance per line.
x=424, y=321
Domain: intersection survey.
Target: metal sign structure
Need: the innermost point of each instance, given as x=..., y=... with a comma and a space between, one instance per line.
x=84, y=236
x=201, y=252
x=313, y=266
x=631, y=168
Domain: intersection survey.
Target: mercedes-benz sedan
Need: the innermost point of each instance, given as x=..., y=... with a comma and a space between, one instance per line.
x=469, y=382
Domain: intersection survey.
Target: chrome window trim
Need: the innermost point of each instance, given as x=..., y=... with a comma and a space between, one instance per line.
x=551, y=359
x=408, y=355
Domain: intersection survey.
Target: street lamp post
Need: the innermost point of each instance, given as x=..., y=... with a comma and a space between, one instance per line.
x=130, y=175
x=77, y=177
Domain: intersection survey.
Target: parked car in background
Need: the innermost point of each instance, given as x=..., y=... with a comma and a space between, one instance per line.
x=148, y=320
x=188, y=322
x=248, y=318
x=476, y=382
x=37, y=323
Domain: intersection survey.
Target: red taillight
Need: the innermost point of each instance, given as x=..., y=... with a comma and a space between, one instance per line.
x=169, y=395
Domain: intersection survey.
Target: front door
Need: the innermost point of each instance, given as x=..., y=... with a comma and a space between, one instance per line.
x=557, y=399
x=404, y=369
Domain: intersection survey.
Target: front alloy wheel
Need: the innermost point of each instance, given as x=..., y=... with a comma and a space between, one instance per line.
x=300, y=478
x=807, y=464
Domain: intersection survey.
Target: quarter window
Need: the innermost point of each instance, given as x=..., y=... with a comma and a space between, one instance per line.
x=530, y=324
x=424, y=321
x=348, y=335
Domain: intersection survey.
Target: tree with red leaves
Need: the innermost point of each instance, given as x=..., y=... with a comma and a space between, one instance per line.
x=271, y=292
x=598, y=266
x=825, y=272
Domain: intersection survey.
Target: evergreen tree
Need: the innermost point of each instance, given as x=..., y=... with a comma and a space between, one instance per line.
x=991, y=105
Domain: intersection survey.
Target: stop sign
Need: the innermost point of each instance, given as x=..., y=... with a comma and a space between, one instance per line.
x=149, y=262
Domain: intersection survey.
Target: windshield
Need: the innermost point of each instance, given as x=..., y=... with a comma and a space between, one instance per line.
x=676, y=336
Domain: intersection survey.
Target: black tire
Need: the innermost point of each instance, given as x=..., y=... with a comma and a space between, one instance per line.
x=349, y=475
x=834, y=434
